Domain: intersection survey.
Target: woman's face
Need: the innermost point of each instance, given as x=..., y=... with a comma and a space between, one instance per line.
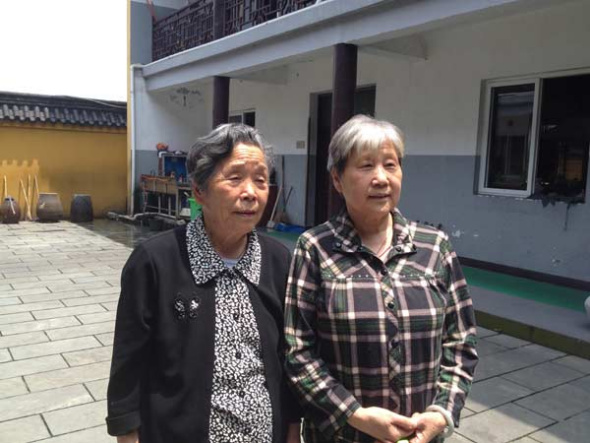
x=237, y=192
x=371, y=182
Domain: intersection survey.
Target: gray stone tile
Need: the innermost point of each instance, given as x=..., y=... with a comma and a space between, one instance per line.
x=52, y=296
x=77, y=286
x=466, y=412
x=582, y=383
x=23, y=292
x=54, y=347
x=12, y=386
x=81, y=331
x=4, y=355
x=39, y=284
x=494, y=392
x=44, y=401
x=558, y=403
x=514, y=359
x=65, y=312
x=111, y=306
x=7, y=301
x=32, y=366
x=67, y=376
x=507, y=341
x=525, y=440
x=104, y=291
x=97, y=318
x=457, y=438
x=543, y=376
x=57, y=275
x=106, y=339
x=15, y=318
x=88, y=356
x=485, y=347
x=87, y=300
x=76, y=418
x=22, y=339
x=23, y=430
x=576, y=363
x=40, y=325
x=98, y=388
x=503, y=424
x=29, y=307
x=92, y=435
x=576, y=429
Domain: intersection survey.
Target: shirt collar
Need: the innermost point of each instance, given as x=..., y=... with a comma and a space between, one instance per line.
x=347, y=239
x=205, y=262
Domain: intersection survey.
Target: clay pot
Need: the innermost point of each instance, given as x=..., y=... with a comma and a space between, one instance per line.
x=81, y=209
x=10, y=211
x=49, y=207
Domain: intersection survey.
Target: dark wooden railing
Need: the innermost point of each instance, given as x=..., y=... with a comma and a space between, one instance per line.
x=206, y=20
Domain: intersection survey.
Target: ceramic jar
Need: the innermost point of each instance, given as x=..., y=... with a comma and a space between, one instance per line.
x=49, y=207
x=9, y=211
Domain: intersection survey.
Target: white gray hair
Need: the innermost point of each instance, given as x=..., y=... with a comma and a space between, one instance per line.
x=359, y=133
x=212, y=149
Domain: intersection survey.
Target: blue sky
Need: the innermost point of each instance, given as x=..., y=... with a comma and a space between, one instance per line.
x=64, y=47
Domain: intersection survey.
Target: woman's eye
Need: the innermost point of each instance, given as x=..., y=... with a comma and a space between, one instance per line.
x=366, y=165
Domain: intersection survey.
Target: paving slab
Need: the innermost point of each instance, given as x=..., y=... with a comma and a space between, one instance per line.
x=110, y=306
x=44, y=401
x=574, y=362
x=22, y=339
x=93, y=435
x=88, y=356
x=558, y=403
x=503, y=424
x=96, y=318
x=494, y=392
x=40, y=325
x=106, y=339
x=23, y=430
x=76, y=418
x=12, y=387
x=54, y=347
x=98, y=388
x=543, y=376
x=90, y=299
x=6, y=301
x=514, y=359
x=52, y=296
x=24, y=292
x=81, y=331
x=31, y=366
x=576, y=429
x=5, y=355
x=15, y=318
x=68, y=376
x=27, y=307
x=65, y=312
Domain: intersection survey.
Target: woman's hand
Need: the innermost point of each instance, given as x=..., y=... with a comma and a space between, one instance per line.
x=132, y=437
x=428, y=426
x=294, y=433
x=384, y=425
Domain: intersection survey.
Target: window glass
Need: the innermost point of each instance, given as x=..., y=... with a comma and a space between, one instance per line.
x=510, y=136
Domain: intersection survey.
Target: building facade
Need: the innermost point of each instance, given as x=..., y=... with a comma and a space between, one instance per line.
x=493, y=97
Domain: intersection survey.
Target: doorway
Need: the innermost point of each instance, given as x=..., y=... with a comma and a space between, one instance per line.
x=318, y=177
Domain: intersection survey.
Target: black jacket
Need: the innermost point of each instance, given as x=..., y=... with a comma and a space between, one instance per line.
x=162, y=367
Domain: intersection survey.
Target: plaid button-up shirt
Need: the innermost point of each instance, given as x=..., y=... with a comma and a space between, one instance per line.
x=398, y=333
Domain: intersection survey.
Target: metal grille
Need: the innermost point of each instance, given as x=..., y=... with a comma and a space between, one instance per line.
x=194, y=25
x=189, y=27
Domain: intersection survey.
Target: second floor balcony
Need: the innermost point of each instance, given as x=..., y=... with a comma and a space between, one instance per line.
x=203, y=21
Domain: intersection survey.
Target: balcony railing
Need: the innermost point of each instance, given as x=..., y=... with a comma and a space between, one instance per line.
x=206, y=20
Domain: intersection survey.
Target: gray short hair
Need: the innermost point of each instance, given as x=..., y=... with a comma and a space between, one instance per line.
x=209, y=151
x=362, y=132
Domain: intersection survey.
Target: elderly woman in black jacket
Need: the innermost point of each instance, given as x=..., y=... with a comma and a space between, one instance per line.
x=198, y=341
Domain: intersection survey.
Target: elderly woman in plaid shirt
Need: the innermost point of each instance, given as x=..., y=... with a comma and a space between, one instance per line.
x=379, y=323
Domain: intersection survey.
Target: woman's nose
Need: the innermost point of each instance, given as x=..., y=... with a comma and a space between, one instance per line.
x=248, y=191
x=380, y=175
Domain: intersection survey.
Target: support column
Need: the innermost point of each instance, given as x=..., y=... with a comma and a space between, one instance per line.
x=344, y=86
x=220, y=100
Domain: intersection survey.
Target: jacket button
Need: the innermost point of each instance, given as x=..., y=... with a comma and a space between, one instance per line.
x=238, y=355
x=391, y=305
x=338, y=245
x=236, y=316
x=384, y=271
x=241, y=393
x=398, y=248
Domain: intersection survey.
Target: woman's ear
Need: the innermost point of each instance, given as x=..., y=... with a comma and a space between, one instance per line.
x=336, y=180
x=198, y=194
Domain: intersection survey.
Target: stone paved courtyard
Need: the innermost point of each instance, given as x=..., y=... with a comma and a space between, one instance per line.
x=59, y=286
